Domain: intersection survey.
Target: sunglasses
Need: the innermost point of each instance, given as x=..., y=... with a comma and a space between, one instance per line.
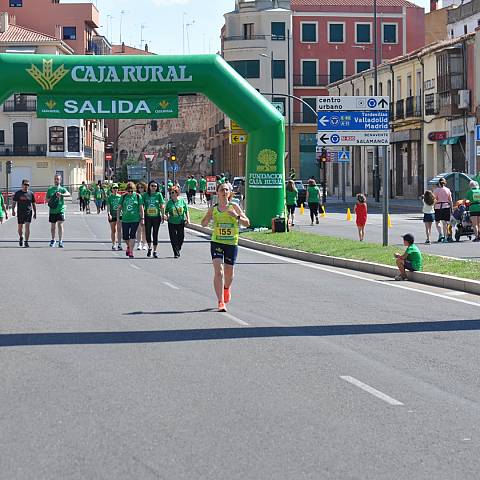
x=129, y=189
x=26, y=184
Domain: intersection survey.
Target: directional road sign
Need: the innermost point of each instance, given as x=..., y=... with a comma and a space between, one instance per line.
x=477, y=129
x=352, y=138
x=279, y=106
x=236, y=139
x=376, y=120
x=352, y=103
x=173, y=167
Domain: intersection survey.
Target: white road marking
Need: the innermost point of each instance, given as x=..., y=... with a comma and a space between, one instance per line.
x=371, y=390
x=170, y=285
x=134, y=266
x=235, y=319
x=365, y=279
x=456, y=294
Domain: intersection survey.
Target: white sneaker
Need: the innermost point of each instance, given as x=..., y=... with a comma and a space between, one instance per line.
x=145, y=247
x=139, y=246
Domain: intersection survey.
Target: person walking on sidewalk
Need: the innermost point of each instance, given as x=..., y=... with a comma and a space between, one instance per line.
x=154, y=205
x=227, y=217
x=291, y=197
x=443, y=208
x=3, y=209
x=177, y=214
x=313, y=199
x=411, y=259
x=56, y=202
x=473, y=196
x=193, y=190
x=202, y=185
x=428, y=211
x=361, y=213
x=81, y=191
x=99, y=195
x=25, y=200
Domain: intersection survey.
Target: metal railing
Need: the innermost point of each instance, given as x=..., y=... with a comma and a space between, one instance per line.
x=23, y=106
x=431, y=104
x=236, y=38
x=399, y=109
x=314, y=80
x=413, y=107
x=32, y=150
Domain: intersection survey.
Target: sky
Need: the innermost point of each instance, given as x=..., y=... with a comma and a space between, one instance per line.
x=165, y=21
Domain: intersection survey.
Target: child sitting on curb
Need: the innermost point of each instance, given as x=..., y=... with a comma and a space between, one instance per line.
x=410, y=260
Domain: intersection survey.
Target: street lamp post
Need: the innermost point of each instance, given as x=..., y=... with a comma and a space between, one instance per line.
x=271, y=67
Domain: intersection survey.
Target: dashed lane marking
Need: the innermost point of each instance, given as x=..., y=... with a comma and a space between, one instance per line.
x=170, y=285
x=371, y=390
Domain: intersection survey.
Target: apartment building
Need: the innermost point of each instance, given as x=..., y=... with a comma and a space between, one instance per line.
x=40, y=148
x=432, y=116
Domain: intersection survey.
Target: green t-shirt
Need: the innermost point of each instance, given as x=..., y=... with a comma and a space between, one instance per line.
x=474, y=197
x=87, y=193
x=314, y=194
x=169, y=184
x=193, y=184
x=2, y=206
x=177, y=212
x=414, y=256
x=81, y=190
x=61, y=208
x=113, y=201
x=99, y=193
x=131, y=207
x=152, y=204
x=291, y=197
x=203, y=184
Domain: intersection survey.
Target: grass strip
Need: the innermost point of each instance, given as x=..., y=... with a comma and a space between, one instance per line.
x=353, y=249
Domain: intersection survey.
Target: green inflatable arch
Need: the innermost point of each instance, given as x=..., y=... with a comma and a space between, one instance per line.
x=123, y=76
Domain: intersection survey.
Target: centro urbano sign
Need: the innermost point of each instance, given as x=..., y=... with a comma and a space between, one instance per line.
x=137, y=86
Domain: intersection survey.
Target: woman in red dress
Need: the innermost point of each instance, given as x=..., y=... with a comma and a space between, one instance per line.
x=361, y=215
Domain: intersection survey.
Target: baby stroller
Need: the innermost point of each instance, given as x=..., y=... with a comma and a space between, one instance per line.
x=464, y=227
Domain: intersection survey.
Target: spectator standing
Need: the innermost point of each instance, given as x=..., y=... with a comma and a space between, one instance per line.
x=428, y=210
x=443, y=207
x=3, y=209
x=473, y=196
x=361, y=213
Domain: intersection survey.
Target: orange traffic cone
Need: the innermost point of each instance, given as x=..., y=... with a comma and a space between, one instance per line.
x=349, y=215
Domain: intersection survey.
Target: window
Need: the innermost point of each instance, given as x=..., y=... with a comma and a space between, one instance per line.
x=2, y=137
x=278, y=30
x=69, y=33
x=248, y=31
x=16, y=3
x=335, y=33
x=389, y=33
x=363, y=33
x=247, y=68
x=336, y=70
x=465, y=29
x=73, y=136
x=308, y=115
x=380, y=88
x=370, y=90
x=278, y=68
x=362, y=65
x=309, y=32
x=57, y=139
x=309, y=73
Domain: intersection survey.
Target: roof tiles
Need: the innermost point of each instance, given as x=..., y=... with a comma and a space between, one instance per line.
x=18, y=34
x=298, y=4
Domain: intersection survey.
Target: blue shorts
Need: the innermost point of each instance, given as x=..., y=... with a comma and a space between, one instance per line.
x=408, y=266
x=428, y=217
x=227, y=253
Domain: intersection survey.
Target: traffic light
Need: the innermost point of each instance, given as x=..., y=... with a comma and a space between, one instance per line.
x=173, y=154
x=9, y=166
x=210, y=160
x=323, y=155
x=153, y=125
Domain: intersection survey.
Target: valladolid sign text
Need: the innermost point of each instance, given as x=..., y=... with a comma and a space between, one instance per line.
x=107, y=107
x=81, y=86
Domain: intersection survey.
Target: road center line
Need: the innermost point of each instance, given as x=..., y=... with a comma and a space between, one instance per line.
x=170, y=285
x=371, y=390
x=235, y=319
x=134, y=266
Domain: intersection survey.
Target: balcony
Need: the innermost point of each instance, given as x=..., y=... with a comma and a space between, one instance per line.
x=399, y=109
x=32, y=150
x=314, y=80
x=413, y=107
x=448, y=103
x=99, y=45
x=29, y=105
x=240, y=38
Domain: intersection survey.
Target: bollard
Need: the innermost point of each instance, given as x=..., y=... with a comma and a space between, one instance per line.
x=324, y=211
x=389, y=221
x=302, y=209
x=349, y=215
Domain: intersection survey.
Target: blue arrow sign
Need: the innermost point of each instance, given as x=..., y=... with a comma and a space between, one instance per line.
x=477, y=128
x=371, y=121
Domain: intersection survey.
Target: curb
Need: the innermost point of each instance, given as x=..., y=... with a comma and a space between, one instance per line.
x=433, y=279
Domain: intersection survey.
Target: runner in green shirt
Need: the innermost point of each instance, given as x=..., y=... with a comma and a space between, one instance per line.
x=3, y=209
x=313, y=200
x=154, y=211
x=113, y=201
x=55, y=198
x=193, y=190
x=177, y=214
x=131, y=211
x=81, y=191
x=291, y=197
x=410, y=260
x=202, y=186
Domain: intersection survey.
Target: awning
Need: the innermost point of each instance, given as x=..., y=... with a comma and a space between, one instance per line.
x=450, y=141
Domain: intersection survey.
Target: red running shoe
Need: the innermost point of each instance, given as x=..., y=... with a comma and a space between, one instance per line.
x=227, y=294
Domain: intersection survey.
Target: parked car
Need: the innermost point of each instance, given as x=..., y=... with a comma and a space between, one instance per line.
x=302, y=192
